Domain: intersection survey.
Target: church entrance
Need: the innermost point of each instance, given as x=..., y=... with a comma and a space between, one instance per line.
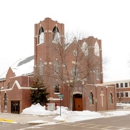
x=77, y=102
x=15, y=107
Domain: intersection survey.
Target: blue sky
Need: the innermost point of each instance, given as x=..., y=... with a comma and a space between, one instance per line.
x=107, y=20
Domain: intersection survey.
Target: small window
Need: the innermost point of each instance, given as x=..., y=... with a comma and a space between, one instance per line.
x=91, y=100
x=126, y=84
x=56, y=90
x=41, y=68
x=117, y=85
x=126, y=94
x=75, y=53
x=96, y=49
x=117, y=94
x=111, y=98
x=122, y=94
x=75, y=72
x=5, y=101
x=56, y=67
x=121, y=84
x=8, y=85
x=97, y=74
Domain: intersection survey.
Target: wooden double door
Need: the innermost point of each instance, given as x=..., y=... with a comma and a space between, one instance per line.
x=77, y=102
x=15, y=107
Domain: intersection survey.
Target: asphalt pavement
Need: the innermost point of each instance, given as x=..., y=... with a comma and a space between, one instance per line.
x=27, y=122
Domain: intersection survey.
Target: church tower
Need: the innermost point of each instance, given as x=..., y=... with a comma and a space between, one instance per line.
x=47, y=35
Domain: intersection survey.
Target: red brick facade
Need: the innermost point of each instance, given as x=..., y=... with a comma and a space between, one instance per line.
x=88, y=94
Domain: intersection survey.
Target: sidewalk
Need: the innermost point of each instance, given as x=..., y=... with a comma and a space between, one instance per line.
x=44, y=119
x=21, y=118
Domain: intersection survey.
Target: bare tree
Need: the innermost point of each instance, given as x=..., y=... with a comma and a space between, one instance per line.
x=73, y=59
x=78, y=60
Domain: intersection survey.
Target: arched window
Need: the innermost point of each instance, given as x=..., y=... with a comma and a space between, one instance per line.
x=56, y=67
x=5, y=101
x=75, y=53
x=8, y=85
x=56, y=89
x=91, y=100
x=56, y=35
x=85, y=48
x=40, y=68
x=75, y=72
x=41, y=35
x=97, y=74
x=96, y=49
x=111, y=98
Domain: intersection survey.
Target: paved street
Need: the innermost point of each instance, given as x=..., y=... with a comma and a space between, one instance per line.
x=112, y=123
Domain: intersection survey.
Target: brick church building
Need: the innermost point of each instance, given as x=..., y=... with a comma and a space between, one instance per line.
x=73, y=69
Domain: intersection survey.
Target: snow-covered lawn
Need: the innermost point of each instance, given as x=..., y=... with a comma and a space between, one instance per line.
x=72, y=116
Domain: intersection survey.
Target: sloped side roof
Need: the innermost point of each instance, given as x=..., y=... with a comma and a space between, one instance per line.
x=21, y=67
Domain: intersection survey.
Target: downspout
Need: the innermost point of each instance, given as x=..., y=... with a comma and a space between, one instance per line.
x=96, y=98
x=106, y=98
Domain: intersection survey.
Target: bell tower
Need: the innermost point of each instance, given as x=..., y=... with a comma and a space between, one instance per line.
x=47, y=34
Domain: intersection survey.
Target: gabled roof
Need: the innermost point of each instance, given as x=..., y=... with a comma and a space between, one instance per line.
x=21, y=67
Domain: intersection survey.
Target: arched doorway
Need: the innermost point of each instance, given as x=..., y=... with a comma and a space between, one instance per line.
x=77, y=102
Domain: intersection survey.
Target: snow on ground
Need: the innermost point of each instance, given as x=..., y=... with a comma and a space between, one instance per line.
x=72, y=116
